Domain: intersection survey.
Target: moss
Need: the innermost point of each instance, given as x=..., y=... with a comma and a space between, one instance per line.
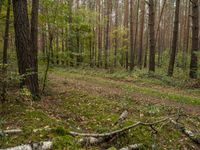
x=65, y=142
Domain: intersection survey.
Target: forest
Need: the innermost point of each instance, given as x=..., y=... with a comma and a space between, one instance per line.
x=99, y=74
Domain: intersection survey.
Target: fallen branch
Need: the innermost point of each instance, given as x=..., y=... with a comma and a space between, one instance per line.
x=122, y=117
x=132, y=147
x=34, y=146
x=13, y=131
x=187, y=132
x=118, y=131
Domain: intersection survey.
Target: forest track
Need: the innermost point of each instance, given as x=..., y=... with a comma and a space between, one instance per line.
x=112, y=88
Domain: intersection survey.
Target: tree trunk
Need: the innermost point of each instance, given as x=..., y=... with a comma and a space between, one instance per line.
x=186, y=36
x=26, y=62
x=140, y=58
x=70, y=41
x=116, y=31
x=152, y=36
x=125, y=38
x=34, y=41
x=195, y=39
x=146, y=49
x=99, y=34
x=174, y=40
x=131, y=36
x=5, y=52
x=109, y=5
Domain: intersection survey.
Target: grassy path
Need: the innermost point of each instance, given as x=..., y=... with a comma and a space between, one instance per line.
x=142, y=92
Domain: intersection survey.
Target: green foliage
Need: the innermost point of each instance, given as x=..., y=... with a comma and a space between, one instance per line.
x=112, y=148
x=61, y=131
x=65, y=142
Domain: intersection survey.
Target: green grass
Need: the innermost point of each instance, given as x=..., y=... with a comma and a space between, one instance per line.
x=145, y=87
x=84, y=110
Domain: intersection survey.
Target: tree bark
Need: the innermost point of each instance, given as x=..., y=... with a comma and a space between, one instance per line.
x=125, y=38
x=131, y=36
x=5, y=52
x=99, y=34
x=186, y=36
x=107, y=42
x=70, y=41
x=26, y=62
x=195, y=39
x=116, y=31
x=174, y=40
x=152, y=36
x=34, y=41
x=140, y=57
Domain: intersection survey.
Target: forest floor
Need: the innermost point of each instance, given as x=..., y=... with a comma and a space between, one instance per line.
x=86, y=100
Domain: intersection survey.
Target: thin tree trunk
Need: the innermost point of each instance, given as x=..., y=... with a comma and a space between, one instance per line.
x=99, y=34
x=109, y=4
x=186, y=36
x=152, y=36
x=136, y=33
x=70, y=41
x=140, y=58
x=116, y=34
x=160, y=19
x=5, y=52
x=131, y=36
x=125, y=38
x=34, y=41
x=146, y=49
x=174, y=40
x=195, y=39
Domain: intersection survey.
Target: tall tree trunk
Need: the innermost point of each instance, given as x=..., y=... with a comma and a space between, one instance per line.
x=174, y=40
x=160, y=19
x=140, y=58
x=125, y=38
x=109, y=5
x=34, y=41
x=195, y=39
x=5, y=52
x=70, y=41
x=23, y=47
x=152, y=36
x=116, y=32
x=186, y=35
x=99, y=34
x=146, y=49
x=136, y=34
x=131, y=35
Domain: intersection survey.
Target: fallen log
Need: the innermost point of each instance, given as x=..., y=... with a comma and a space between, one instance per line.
x=33, y=146
x=186, y=132
x=132, y=147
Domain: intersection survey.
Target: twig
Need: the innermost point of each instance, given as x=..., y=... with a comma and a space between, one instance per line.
x=13, y=131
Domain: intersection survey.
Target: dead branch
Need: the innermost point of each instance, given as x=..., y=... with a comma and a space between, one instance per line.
x=185, y=131
x=118, y=131
x=13, y=131
x=34, y=146
x=122, y=117
x=132, y=147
